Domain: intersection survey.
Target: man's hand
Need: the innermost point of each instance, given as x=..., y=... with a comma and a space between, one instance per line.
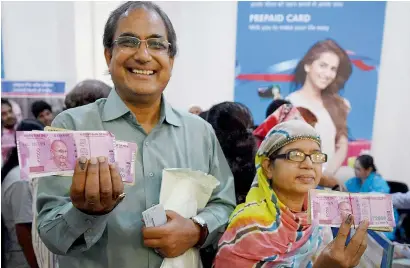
x=174, y=238
x=96, y=187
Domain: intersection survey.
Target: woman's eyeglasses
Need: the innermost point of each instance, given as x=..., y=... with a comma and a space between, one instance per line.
x=298, y=156
x=154, y=45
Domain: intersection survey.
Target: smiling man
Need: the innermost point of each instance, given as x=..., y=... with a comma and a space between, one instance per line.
x=82, y=217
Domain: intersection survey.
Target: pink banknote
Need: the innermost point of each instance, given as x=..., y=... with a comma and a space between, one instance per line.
x=329, y=208
x=52, y=153
x=125, y=154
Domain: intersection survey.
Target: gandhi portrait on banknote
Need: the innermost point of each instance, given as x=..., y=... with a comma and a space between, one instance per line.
x=59, y=156
x=345, y=209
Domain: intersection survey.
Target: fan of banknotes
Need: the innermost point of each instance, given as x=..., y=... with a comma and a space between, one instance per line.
x=54, y=151
x=329, y=208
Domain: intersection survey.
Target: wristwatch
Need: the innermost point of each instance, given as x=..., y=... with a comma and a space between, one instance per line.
x=204, y=230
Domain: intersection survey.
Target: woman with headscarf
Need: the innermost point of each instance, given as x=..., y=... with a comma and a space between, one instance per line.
x=285, y=113
x=271, y=228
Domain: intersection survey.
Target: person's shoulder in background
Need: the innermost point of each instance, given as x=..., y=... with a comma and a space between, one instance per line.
x=80, y=117
x=380, y=185
x=192, y=121
x=352, y=185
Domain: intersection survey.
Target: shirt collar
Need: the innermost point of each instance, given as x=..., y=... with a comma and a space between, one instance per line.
x=114, y=108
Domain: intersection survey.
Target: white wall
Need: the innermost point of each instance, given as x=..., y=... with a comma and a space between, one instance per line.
x=63, y=41
x=38, y=41
x=391, y=132
x=205, y=67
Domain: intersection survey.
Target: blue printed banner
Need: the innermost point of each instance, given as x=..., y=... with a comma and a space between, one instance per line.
x=272, y=37
x=32, y=88
x=298, y=49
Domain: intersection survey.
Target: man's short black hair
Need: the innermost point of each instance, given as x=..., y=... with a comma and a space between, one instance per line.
x=112, y=22
x=39, y=106
x=274, y=105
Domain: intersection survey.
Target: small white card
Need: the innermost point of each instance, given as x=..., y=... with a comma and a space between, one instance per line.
x=154, y=216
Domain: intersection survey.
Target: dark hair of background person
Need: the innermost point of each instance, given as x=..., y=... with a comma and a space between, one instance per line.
x=274, y=105
x=85, y=92
x=204, y=115
x=366, y=161
x=333, y=102
x=117, y=14
x=233, y=125
x=5, y=101
x=39, y=106
x=12, y=162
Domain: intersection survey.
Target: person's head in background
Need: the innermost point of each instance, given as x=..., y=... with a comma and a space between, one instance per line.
x=85, y=92
x=323, y=71
x=139, y=47
x=274, y=105
x=364, y=166
x=12, y=160
x=233, y=123
x=8, y=118
x=43, y=112
x=195, y=109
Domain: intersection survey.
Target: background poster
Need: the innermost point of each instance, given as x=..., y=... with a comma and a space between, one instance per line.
x=22, y=94
x=273, y=36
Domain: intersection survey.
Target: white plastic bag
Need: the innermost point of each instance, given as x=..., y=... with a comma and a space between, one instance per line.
x=185, y=191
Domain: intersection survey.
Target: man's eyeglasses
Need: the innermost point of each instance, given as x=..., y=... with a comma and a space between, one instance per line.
x=154, y=45
x=298, y=156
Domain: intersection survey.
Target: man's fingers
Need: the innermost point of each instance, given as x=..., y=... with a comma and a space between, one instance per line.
x=78, y=182
x=105, y=182
x=153, y=243
x=92, y=184
x=358, y=239
x=171, y=214
x=155, y=232
x=343, y=233
x=116, y=181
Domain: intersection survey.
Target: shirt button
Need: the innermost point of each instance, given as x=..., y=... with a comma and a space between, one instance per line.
x=89, y=230
x=146, y=143
x=88, y=222
x=151, y=174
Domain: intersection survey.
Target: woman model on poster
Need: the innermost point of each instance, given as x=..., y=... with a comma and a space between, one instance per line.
x=319, y=77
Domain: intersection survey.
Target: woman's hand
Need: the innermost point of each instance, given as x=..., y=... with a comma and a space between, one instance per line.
x=337, y=254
